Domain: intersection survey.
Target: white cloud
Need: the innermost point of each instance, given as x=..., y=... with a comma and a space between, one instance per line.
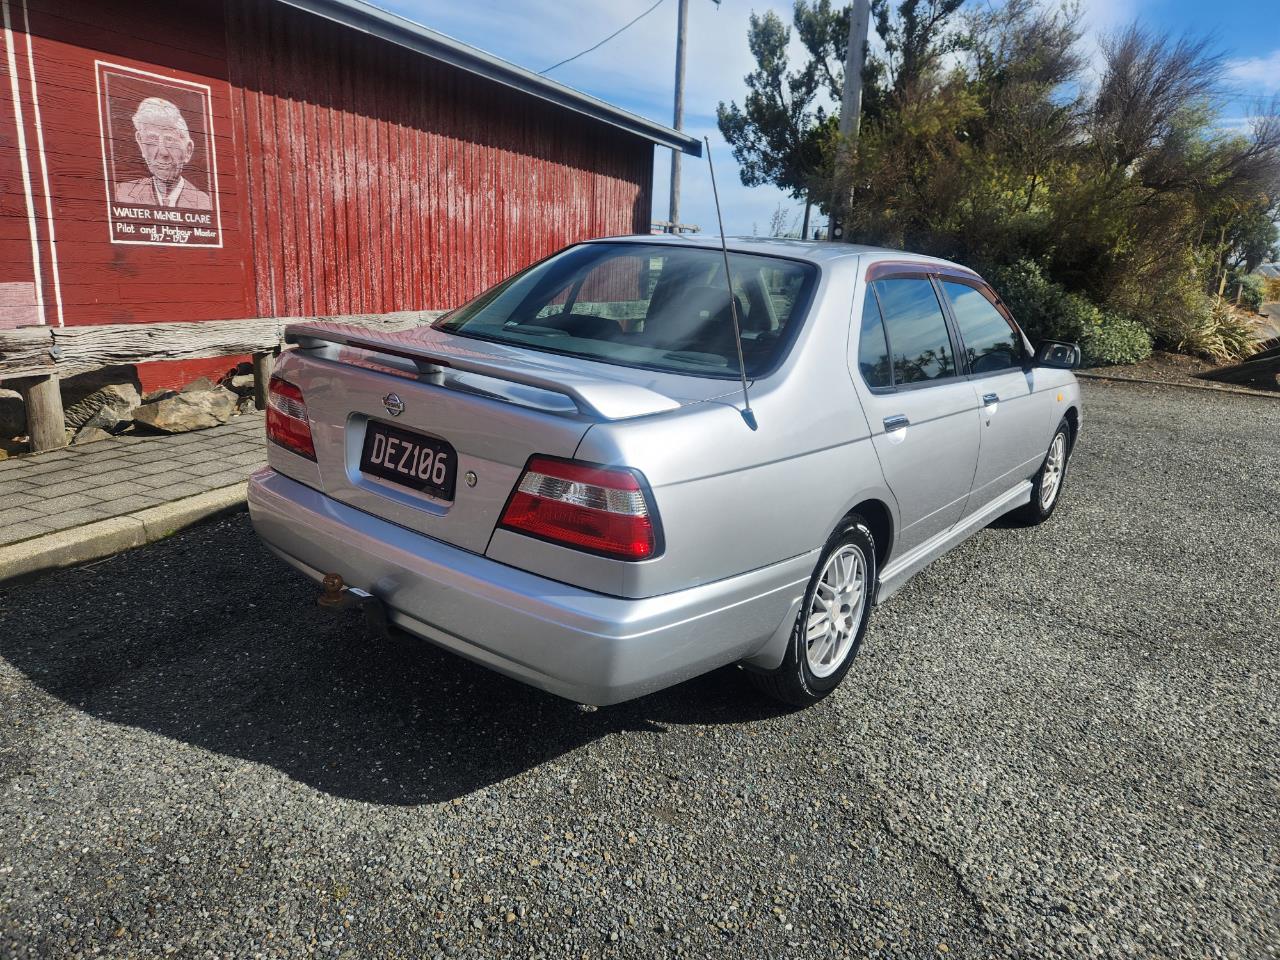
x=1260, y=76
x=1233, y=126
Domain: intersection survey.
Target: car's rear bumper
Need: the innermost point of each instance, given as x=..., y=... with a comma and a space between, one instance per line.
x=585, y=646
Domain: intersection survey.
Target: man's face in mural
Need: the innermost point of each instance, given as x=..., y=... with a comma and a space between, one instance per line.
x=172, y=155
x=165, y=148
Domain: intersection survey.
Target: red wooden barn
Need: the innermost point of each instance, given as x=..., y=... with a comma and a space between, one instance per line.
x=219, y=159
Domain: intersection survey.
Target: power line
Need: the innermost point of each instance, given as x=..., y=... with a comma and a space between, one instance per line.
x=604, y=41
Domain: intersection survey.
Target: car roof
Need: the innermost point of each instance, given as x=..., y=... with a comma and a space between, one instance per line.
x=815, y=251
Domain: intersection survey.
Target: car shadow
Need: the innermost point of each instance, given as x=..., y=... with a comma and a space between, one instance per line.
x=245, y=665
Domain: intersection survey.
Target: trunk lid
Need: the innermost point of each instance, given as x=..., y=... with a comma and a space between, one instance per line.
x=493, y=404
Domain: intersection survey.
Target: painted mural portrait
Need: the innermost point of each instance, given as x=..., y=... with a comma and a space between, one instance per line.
x=159, y=160
x=166, y=146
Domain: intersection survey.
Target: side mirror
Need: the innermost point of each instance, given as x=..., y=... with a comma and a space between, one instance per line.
x=1057, y=354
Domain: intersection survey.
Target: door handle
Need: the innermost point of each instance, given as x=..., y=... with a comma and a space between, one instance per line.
x=896, y=422
x=990, y=400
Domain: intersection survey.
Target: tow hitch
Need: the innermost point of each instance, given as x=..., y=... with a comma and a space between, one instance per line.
x=338, y=597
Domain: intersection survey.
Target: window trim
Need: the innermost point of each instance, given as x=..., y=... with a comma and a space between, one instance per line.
x=977, y=283
x=908, y=270
x=886, y=269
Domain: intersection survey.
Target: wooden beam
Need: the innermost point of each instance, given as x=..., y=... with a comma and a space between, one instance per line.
x=64, y=351
x=45, y=426
x=26, y=352
x=80, y=349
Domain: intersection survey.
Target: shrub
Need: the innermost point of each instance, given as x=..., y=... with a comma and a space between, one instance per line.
x=1219, y=332
x=1043, y=308
x=1271, y=289
x=1166, y=306
x=1046, y=310
x=1116, y=339
x=1249, y=292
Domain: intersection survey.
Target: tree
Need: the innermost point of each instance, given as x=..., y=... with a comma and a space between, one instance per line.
x=780, y=134
x=781, y=223
x=1241, y=235
x=1255, y=239
x=1157, y=189
x=915, y=37
x=985, y=140
x=989, y=144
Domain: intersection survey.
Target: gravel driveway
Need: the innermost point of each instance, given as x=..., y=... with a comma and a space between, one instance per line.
x=1058, y=742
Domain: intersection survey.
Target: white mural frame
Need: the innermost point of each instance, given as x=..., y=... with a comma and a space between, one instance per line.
x=101, y=71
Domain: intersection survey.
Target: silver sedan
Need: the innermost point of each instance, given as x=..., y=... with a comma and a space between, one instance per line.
x=562, y=481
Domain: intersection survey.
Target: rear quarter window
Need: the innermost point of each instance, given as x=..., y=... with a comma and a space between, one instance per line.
x=873, y=348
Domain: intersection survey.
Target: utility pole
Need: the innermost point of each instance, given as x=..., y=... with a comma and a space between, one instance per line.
x=682, y=24
x=850, y=106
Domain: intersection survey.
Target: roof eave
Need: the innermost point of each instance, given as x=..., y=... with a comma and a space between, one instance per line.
x=369, y=19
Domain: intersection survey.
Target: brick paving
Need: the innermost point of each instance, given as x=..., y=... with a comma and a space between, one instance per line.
x=78, y=485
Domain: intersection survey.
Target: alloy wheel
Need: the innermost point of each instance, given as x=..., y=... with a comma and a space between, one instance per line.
x=1054, y=464
x=836, y=611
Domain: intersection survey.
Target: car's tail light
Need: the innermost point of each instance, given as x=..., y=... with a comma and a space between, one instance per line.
x=601, y=510
x=287, y=422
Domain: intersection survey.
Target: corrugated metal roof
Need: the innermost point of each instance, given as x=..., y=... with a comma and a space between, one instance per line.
x=431, y=43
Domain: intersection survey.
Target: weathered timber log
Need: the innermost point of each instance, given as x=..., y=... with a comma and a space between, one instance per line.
x=262, y=364
x=37, y=356
x=44, y=413
x=71, y=350
x=25, y=352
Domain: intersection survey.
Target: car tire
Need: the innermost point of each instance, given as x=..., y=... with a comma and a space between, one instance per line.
x=816, y=661
x=1046, y=487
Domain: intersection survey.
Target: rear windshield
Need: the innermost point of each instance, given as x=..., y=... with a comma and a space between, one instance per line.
x=647, y=305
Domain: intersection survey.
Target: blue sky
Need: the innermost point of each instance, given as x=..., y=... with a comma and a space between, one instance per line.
x=636, y=69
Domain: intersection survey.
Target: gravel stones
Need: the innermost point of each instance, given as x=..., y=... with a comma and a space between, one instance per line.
x=1057, y=742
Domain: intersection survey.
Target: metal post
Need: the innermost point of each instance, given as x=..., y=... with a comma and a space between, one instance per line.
x=850, y=102
x=682, y=24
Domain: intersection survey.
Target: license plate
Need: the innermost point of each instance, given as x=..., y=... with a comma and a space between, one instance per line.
x=409, y=459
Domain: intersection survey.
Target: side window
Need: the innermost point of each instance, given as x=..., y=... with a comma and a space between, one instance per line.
x=916, y=330
x=873, y=349
x=990, y=343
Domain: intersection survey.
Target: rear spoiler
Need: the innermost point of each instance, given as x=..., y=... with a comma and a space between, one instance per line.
x=433, y=352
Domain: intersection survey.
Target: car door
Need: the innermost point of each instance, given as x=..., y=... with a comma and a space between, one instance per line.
x=922, y=411
x=1014, y=413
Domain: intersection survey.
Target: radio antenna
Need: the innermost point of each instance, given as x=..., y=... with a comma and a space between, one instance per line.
x=747, y=414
